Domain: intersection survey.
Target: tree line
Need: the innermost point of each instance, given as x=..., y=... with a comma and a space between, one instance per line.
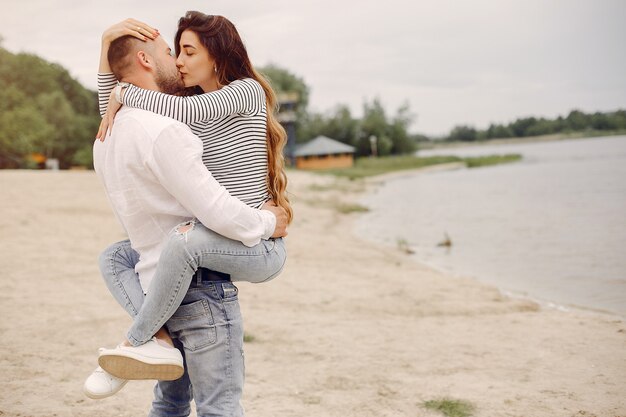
x=44, y=113
x=389, y=131
x=575, y=121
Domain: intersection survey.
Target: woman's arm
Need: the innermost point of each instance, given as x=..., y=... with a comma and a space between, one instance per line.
x=106, y=84
x=106, y=80
x=244, y=96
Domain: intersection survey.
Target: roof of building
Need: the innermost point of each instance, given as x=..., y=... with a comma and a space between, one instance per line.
x=322, y=145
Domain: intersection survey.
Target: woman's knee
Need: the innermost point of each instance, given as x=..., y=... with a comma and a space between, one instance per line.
x=193, y=236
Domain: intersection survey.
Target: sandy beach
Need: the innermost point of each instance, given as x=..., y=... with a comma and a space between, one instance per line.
x=349, y=328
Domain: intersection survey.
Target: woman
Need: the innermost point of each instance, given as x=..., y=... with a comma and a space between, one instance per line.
x=243, y=144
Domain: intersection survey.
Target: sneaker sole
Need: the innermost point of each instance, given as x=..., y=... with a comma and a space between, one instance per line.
x=133, y=369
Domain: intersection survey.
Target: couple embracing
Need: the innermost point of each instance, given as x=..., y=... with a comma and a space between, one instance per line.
x=190, y=156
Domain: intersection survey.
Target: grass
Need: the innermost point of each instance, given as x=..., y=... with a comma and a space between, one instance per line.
x=403, y=246
x=337, y=186
x=347, y=208
x=248, y=338
x=481, y=161
x=366, y=167
x=450, y=407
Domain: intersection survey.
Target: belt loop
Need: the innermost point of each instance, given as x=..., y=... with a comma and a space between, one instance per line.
x=199, y=277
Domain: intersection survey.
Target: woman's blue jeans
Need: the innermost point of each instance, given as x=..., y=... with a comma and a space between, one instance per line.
x=189, y=247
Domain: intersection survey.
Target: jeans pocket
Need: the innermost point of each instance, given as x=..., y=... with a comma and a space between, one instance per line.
x=193, y=324
x=269, y=244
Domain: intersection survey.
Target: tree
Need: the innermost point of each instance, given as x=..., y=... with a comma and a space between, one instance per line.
x=577, y=120
x=23, y=130
x=496, y=131
x=43, y=110
x=521, y=126
x=283, y=81
x=337, y=124
x=402, y=142
x=602, y=121
x=373, y=125
x=463, y=133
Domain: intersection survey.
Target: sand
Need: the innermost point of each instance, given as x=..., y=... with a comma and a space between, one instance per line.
x=349, y=329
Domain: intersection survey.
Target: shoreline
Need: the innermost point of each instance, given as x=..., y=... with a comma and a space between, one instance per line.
x=350, y=328
x=555, y=137
x=379, y=180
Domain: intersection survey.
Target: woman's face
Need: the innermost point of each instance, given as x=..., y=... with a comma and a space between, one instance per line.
x=195, y=64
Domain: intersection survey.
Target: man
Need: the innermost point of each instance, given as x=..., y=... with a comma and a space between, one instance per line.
x=154, y=177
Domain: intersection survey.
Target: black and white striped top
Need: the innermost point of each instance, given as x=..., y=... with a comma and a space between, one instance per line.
x=231, y=122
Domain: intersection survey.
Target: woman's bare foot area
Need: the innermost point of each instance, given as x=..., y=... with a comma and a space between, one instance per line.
x=162, y=337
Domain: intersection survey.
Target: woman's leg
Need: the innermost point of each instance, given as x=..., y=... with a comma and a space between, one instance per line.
x=117, y=266
x=189, y=247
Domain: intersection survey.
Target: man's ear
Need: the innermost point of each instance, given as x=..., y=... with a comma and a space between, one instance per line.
x=145, y=60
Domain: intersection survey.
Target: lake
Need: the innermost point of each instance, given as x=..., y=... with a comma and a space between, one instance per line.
x=551, y=227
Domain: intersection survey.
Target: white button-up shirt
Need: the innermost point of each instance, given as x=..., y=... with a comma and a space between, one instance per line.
x=151, y=168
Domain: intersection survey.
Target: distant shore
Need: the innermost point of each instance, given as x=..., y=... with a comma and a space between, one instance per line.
x=349, y=329
x=529, y=139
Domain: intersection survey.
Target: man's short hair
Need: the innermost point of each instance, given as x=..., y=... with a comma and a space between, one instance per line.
x=121, y=53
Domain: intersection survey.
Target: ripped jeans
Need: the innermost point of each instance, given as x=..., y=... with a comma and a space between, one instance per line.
x=189, y=247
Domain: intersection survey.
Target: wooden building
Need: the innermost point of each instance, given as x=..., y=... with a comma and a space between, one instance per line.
x=324, y=153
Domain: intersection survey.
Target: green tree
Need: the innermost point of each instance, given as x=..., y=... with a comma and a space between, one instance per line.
x=283, y=81
x=521, y=126
x=496, y=131
x=337, y=124
x=23, y=130
x=603, y=121
x=373, y=126
x=43, y=109
x=577, y=120
x=463, y=133
x=402, y=141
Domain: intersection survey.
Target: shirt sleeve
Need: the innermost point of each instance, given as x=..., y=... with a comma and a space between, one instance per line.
x=176, y=160
x=106, y=84
x=245, y=97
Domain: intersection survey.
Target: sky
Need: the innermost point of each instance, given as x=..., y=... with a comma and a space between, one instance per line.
x=469, y=62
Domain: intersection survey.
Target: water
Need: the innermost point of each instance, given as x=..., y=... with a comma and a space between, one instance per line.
x=551, y=227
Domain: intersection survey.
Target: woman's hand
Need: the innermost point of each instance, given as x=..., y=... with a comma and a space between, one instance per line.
x=130, y=27
x=281, y=218
x=106, y=125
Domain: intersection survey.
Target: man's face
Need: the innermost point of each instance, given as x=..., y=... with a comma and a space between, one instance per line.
x=166, y=75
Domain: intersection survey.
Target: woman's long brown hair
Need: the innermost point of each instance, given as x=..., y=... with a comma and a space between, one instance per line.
x=225, y=46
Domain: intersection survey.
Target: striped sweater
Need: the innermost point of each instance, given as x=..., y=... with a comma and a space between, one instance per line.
x=231, y=122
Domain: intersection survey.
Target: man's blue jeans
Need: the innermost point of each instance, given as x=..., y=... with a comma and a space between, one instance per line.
x=209, y=331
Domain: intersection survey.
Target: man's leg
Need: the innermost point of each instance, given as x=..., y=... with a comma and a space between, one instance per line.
x=210, y=327
x=192, y=246
x=117, y=266
x=173, y=398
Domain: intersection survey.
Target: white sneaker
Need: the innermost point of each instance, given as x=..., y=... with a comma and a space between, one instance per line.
x=101, y=384
x=148, y=361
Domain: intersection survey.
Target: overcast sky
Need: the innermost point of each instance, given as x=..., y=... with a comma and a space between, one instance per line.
x=454, y=62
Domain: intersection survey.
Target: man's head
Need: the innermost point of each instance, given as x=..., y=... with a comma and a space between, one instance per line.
x=147, y=64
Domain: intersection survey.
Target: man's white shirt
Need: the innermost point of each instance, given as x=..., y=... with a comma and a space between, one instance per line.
x=152, y=171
